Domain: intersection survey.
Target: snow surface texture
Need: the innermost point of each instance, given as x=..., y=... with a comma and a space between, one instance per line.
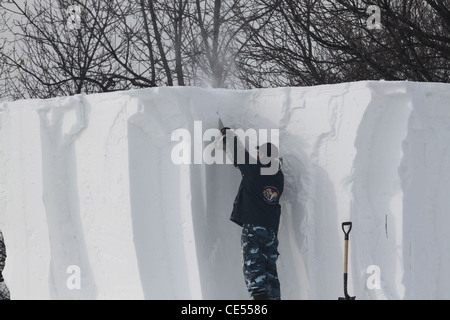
x=88, y=189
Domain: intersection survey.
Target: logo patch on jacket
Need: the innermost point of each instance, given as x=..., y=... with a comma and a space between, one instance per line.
x=270, y=194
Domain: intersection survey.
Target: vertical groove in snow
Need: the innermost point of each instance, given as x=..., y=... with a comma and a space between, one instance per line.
x=426, y=186
x=190, y=248
x=377, y=192
x=61, y=126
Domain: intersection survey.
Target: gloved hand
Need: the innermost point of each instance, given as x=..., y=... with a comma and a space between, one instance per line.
x=221, y=141
x=224, y=130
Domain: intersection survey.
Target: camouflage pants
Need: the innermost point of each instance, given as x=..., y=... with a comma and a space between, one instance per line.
x=259, y=251
x=4, y=291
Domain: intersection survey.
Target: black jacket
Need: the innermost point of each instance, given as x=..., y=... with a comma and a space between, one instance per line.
x=258, y=199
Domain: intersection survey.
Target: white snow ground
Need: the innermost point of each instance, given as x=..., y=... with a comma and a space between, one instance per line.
x=93, y=207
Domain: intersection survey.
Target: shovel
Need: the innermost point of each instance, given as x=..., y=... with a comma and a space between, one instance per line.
x=344, y=225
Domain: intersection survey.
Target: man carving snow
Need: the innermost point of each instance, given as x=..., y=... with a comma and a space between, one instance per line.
x=257, y=210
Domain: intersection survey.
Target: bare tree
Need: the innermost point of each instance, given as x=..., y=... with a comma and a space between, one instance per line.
x=223, y=34
x=158, y=39
x=197, y=42
x=56, y=51
x=282, y=53
x=3, y=66
x=165, y=22
x=313, y=42
x=129, y=46
x=62, y=47
x=413, y=41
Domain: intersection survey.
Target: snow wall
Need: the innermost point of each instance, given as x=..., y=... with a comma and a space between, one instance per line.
x=92, y=205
